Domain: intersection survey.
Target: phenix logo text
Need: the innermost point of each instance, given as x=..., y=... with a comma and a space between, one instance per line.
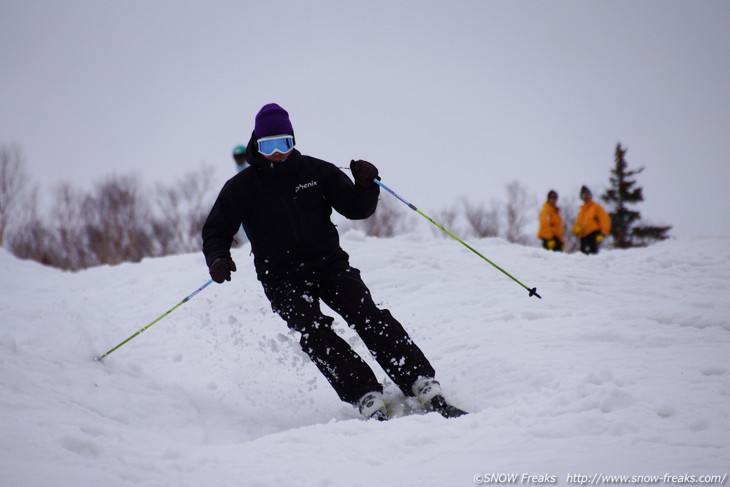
x=310, y=184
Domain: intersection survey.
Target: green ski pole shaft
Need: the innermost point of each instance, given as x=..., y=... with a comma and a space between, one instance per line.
x=187, y=298
x=532, y=291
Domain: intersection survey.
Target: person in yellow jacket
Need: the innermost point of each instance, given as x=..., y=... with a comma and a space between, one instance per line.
x=592, y=223
x=551, y=224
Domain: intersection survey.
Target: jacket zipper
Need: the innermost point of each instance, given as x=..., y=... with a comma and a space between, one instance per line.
x=290, y=209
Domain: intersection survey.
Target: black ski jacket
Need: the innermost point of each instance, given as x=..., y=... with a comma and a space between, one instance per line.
x=285, y=210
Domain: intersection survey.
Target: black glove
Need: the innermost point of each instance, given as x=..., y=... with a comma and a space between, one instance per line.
x=220, y=269
x=364, y=173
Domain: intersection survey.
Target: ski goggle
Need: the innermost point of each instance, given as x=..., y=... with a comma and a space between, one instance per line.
x=276, y=143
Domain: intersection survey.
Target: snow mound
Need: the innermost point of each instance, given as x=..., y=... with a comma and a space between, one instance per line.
x=621, y=368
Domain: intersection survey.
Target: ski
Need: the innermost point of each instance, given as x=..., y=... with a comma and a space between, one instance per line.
x=445, y=409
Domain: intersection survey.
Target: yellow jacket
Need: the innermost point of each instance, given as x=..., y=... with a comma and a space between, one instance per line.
x=592, y=217
x=551, y=224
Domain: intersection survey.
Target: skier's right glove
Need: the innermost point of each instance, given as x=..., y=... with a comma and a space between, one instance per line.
x=220, y=270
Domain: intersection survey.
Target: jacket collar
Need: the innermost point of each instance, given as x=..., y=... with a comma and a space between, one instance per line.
x=286, y=169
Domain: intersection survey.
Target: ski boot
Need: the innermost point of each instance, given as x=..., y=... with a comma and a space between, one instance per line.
x=372, y=406
x=428, y=391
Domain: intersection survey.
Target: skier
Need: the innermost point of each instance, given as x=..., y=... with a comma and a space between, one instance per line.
x=284, y=201
x=239, y=157
x=551, y=224
x=592, y=223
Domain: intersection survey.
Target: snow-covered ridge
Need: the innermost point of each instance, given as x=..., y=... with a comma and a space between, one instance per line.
x=621, y=368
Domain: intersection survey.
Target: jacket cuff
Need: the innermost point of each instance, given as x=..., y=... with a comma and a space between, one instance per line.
x=209, y=259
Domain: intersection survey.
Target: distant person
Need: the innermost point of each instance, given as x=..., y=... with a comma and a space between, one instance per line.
x=551, y=224
x=592, y=223
x=239, y=156
x=284, y=201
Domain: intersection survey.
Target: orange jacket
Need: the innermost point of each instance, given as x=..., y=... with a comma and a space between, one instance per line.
x=592, y=217
x=551, y=224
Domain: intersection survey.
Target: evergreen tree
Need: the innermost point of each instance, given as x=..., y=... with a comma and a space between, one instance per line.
x=622, y=193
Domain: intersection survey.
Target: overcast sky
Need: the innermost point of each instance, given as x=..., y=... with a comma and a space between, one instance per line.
x=451, y=99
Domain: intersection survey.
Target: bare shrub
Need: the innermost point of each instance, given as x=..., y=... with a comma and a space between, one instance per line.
x=516, y=212
x=68, y=223
x=181, y=211
x=569, y=212
x=112, y=223
x=447, y=218
x=483, y=222
x=117, y=222
x=13, y=183
x=387, y=221
x=33, y=237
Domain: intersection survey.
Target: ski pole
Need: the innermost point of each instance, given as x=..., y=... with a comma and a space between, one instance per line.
x=188, y=298
x=533, y=291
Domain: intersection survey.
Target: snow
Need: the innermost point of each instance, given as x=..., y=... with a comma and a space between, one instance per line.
x=621, y=369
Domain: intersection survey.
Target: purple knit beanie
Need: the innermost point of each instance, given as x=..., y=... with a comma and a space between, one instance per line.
x=272, y=120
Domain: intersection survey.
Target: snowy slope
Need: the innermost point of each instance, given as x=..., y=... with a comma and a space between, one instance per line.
x=623, y=368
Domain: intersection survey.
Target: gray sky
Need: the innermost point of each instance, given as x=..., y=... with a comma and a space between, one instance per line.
x=450, y=99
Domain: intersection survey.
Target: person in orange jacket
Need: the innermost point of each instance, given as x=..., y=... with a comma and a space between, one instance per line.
x=592, y=223
x=551, y=224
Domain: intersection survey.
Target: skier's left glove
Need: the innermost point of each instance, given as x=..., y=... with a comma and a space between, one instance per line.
x=364, y=173
x=220, y=270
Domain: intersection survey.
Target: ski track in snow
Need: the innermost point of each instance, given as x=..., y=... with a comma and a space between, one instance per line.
x=622, y=368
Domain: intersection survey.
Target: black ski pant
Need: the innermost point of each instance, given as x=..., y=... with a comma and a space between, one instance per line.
x=588, y=244
x=340, y=286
